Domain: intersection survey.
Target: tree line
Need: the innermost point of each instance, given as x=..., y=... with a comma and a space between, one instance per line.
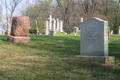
x=71, y=11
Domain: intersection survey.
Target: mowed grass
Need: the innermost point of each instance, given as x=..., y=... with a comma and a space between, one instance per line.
x=47, y=58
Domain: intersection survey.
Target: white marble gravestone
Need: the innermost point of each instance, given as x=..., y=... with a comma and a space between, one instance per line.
x=54, y=24
x=94, y=40
x=75, y=29
x=61, y=26
x=81, y=19
x=36, y=32
x=50, y=22
x=53, y=31
x=0, y=32
x=58, y=24
x=111, y=32
x=46, y=28
x=3, y=32
x=8, y=31
x=119, y=29
x=46, y=31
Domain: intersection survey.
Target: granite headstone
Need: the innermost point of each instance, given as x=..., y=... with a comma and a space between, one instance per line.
x=94, y=41
x=94, y=37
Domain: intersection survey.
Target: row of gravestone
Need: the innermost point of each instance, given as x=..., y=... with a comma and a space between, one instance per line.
x=52, y=26
x=76, y=29
x=6, y=29
x=94, y=37
x=2, y=32
x=5, y=32
x=118, y=31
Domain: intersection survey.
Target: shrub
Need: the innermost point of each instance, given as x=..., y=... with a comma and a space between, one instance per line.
x=60, y=33
x=32, y=30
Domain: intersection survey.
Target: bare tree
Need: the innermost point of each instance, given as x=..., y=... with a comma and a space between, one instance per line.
x=39, y=11
x=0, y=13
x=64, y=10
x=11, y=6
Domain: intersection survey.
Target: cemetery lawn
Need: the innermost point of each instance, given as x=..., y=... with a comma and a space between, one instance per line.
x=52, y=58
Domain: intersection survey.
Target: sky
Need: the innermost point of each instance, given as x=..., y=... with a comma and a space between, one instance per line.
x=19, y=7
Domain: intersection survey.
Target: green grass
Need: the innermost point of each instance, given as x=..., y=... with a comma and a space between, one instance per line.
x=45, y=58
x=74, y=34
x=60, y=33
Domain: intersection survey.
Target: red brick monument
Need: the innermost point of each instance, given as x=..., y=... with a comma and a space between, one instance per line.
x=20, y=30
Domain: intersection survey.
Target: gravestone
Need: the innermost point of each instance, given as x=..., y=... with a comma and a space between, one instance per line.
x=119, y=29
x=8, y=29
x=36, y=31
x=58, y=24
x=20, y=30
x=108, y=33
x=53, y=31
x=111, y=32
x=54, y=25
x=94, y=40
x=50, y=22
x=3, y=32
x=61, y=26
x=0, y=32
x=81, y=19
x=46, y=31
x=75, y=29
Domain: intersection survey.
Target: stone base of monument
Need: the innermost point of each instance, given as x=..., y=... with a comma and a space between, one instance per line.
x=106, y=59
x=17, y=39
x=45, y=32
x=54, y=33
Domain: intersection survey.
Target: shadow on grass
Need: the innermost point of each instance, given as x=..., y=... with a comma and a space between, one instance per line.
x=66, y=68
x=97, y=70
x=70, y=46
x=3, y=37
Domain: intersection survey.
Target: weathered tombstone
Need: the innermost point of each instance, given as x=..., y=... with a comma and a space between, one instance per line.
x=108, y=33
x=46, y=31
x=58, y=24
x=50, y=22
x=81, y=19
x=0, y=32
x=53, y=31
x=119, y=29
x=8, y=29
x=75, y=29
x=61, y=26
x=36, y=32
x=94, y=40
x=3, y=32
x=20, y=30
x=5, y=28
x=54, y=24
x=111, y=32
